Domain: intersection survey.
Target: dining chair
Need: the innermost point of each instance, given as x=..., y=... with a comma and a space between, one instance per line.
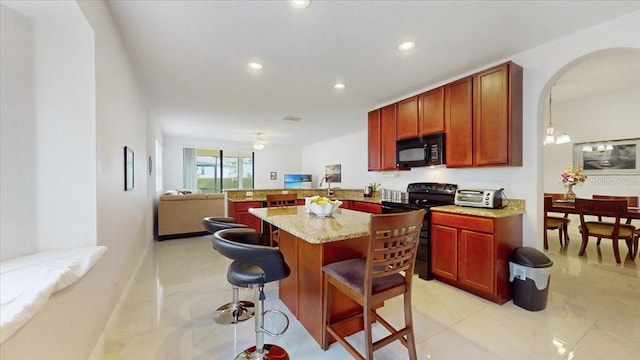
x=555, y=223
x=612, y=208
x=632, y=201
x=279, y=200
x=386, y=272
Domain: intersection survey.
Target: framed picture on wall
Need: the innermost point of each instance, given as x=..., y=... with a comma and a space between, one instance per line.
x=128, y=168
x=608, y=157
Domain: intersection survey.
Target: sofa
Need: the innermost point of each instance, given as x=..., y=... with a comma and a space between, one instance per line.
x=181, y=214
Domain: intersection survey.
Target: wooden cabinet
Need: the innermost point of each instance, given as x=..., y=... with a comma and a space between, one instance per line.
x=240, y=211
x=382, y=138
x=431, y=111
x=375, y=141
x=407, y=121
x=472, y=252
x=480, y=114
x=497, y=120
x=458, y=123
x=366, y=207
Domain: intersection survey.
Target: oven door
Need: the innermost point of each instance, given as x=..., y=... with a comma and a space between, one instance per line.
x=422, y=267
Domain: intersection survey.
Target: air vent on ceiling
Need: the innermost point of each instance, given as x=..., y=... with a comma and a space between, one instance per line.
x=292, y=118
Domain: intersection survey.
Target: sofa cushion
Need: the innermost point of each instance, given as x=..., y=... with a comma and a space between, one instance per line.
x=183, y=197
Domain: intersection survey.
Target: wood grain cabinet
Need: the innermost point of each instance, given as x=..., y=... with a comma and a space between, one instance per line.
x=483, y=118
x=407, y=120
x=472, y=252
x=497, y=120
x=431, y=111
x=382, y=138
x=459, y=123
x=374, y=141
x=240, y=211
x=366, y=207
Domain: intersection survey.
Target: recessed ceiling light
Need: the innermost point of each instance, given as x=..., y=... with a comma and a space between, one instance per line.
x=339, y=86
x=299, y=4
x=407, y=45
x=255, y=65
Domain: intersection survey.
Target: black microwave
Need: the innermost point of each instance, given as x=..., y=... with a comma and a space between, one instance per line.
x=425, y=150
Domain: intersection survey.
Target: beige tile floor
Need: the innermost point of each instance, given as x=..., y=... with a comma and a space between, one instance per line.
x=593, y=312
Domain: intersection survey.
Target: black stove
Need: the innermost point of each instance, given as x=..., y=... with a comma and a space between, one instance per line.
x=422, y=196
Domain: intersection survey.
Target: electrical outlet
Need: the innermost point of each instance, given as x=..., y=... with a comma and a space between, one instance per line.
x=285, y=191
x=248, y=193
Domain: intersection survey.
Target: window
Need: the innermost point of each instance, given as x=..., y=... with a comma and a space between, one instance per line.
x=204, y=170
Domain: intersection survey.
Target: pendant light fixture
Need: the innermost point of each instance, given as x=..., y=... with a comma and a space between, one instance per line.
x=549, y=131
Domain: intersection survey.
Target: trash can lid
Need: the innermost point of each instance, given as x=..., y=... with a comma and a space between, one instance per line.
x=530, y=257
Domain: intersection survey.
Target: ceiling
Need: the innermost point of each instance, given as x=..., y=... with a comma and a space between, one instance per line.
x=191, y=57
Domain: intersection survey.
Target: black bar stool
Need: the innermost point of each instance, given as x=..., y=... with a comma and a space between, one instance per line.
x=254, y=265
x=237, y=310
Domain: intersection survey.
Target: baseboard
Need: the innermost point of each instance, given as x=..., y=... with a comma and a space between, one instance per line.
x=98, y=349
x=185, y=235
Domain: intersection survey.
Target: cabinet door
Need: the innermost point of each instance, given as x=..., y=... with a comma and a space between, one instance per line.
x=476, y=260
x=366, y=207
x=388, y=137
x=407, y=121
x=431, y=112
x=242, y=215
x=374, y=140
x=458, y=123
x=497, y=123
x=444, y=251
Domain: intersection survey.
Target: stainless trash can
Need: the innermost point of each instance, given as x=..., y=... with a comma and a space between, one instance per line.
x=529, y=275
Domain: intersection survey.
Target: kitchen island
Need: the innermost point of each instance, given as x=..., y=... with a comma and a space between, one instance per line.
x=309, y=242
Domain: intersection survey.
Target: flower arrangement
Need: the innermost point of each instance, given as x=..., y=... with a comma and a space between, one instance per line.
x=570, y=177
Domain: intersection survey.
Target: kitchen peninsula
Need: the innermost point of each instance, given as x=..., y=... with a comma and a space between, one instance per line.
x=308, y=242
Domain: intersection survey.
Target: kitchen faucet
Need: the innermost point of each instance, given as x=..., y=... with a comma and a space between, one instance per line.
x=327, y=179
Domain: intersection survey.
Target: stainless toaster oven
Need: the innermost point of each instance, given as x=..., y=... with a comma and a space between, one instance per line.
x=492, y=199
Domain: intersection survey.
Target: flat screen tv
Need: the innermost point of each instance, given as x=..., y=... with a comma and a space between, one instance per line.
x=297, y=181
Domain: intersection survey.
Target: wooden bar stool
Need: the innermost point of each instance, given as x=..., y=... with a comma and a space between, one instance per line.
x=385, y=273
x=279, y=200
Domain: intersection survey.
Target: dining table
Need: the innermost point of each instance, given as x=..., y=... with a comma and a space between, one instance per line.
x=569, y=207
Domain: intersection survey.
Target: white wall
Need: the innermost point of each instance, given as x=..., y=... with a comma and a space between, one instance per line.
x=49, y=48
x=540, y=67
x=606, y=108
x=18, y=195
x=72, y=322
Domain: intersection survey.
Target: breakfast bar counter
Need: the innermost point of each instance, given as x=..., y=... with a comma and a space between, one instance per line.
x=308, y=242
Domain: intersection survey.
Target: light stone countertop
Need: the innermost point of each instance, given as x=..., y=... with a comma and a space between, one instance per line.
x=343, y=224
x=516, y=207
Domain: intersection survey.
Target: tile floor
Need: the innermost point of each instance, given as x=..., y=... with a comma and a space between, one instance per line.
x=593, y=312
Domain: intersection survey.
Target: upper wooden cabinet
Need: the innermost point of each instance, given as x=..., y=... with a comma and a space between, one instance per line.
x=375, y=159
x=480, y=114
x=431, y=111
x=497, y=120
x=407, y=121
x=459, y=120
x=382, y=138
x=388, y=137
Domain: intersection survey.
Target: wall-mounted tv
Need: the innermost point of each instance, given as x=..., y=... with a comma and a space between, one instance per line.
x=297, y=181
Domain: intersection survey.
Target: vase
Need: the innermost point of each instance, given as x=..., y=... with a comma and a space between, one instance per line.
x=570, y=195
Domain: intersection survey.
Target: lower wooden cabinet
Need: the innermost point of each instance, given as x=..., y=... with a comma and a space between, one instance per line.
x=472, y=252
x=366, y=207
x=240, y=211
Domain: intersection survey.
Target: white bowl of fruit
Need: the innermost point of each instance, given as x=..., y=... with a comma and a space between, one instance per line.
x=322, y=206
